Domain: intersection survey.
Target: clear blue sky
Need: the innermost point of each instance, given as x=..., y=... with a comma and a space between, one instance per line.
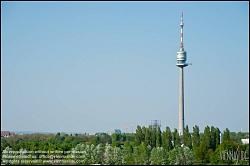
x=98, y=66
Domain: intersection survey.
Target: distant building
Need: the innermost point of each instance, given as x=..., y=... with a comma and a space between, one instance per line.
x=7, y=133
x=245, y=141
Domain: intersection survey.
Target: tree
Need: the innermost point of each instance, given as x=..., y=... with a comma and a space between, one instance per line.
x=144, y=132
x=117, y=156
x=213, y=138
x=205, y=148
x=217, y=137
x=86, y=156
x=75, y=155
x=141, y=154
x=226, y=136
x=187, y=140
x=158, y=156
x=202, y=152
x=158, y=137
x=207, y=137
x=98, y=154
x=108, y=155
x=227, y=142
x=139, y=136
x=196, y=141
x=23, y=154
x=152, y=131
x=6, y=156
x=167, y=139
x=103, y=138
x=176, y=138
x=181, y=156
x=215, y=157
x=147, y=136
x=90, y=154
x=116, y=137
x=4, y=144
x=196, y=136
x=127, y=153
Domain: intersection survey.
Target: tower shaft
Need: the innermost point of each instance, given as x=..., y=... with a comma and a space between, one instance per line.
x=181, y=101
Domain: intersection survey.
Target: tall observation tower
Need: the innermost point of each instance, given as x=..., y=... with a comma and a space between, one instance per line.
x=181, y=63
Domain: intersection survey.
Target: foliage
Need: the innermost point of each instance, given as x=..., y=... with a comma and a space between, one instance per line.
x=127, y=154
x=139, y=135
x=158, y=137
x=158, y=156
x=176, y=138
x=226, y=136
x=187, y=140
x=181, y=156
x=167, y=139
x=140, y=154
x=148, y=145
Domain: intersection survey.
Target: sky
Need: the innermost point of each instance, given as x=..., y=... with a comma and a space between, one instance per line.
x=99, y=66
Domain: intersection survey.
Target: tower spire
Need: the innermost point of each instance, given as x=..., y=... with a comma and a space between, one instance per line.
x=181, y=25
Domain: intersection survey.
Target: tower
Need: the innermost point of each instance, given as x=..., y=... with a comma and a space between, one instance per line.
x=181, y=63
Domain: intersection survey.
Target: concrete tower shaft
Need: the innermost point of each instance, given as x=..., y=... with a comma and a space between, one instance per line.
x=181, y=101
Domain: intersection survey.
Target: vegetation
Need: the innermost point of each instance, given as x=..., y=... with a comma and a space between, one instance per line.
x=147, y=146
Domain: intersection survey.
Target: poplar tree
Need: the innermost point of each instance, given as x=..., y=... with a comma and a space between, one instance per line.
x=147, y=136
x=226, y=136
x=139, y=136
x=152, y=136
x=213, y=138
x=158, y=137
x=196, y=136
x=217, y=136
x=187, y=140
x=205, y=146
x=167, y=139
x=176, y=138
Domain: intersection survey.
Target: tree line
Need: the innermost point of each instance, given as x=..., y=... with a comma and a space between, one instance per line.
x=148, y=145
